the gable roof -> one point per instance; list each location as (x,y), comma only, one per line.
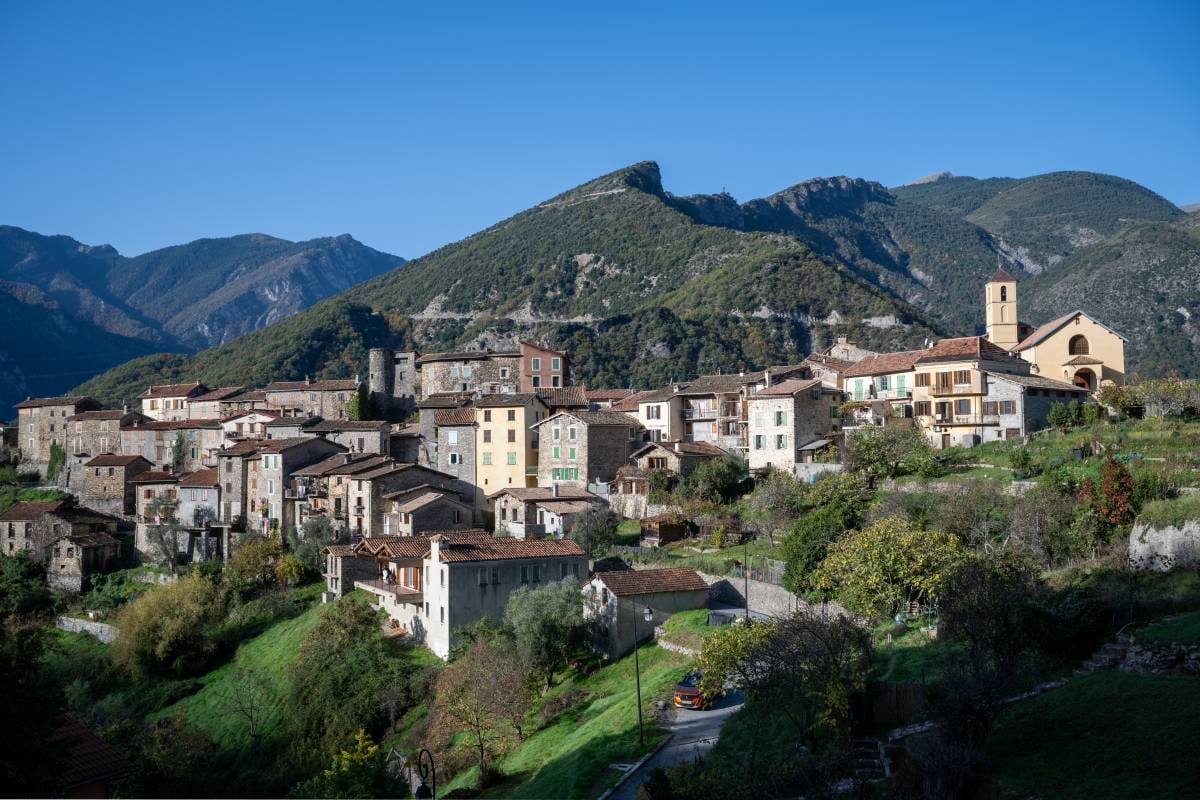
(280,445)
(965,348)
(64,400)
(884,363)
(200,478)
(103,414)
(326,385)
(532,494)
(250,396)
(89,759)
(631,582)
(155,476)
(454,416)
(270,413)
(344,425)
(1043,332)
(175,390)
(499,548)
(791,387)
(700,449)
(604,417)
(599,395)
(342,464)
(714,384)
(222,393)
(631,402)
(824,360)
(416,546)
(501,400)
(28,511)
(114,460)
(1038,382)
(172,424)
(563,396)
(467,355)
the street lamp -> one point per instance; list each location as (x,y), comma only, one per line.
(637,667)
(427,771)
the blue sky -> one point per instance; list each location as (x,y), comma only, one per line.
(410,126)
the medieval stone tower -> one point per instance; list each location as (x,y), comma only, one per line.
(392,381)
(1000,302)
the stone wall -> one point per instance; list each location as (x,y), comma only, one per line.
(765,598)
(101,631)
(1164,549)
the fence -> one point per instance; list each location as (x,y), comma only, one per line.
(761,568)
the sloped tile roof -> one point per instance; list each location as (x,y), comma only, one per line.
(327,385)
(704,449)
(105,414)
(499,548)
(467,355)
(1038,382)
(885,363)
(89,759)
(175,390)
(626,583)
(500,400)
(598,395)
(788,388)
(28,511)
(344,425)
(535,493)
(965,348)
(563,396)
(154,476)
(454,416)
(630,402)
(222,393)
(1002,276)
(1042,332)
(66,400)
(200,478)
(113,460)
(279,445)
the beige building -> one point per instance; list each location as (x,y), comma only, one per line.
(1074,348)
(171,401)
(506,446)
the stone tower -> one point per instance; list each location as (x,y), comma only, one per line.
(392,382)
(1000,302)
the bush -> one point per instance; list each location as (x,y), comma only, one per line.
(1174,513)
(316,534)
(22,587)
(716,481)
(252,565)
(889,452)
(805,546)
(170,630)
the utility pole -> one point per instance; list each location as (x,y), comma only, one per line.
(746,575)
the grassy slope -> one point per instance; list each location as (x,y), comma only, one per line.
(1185,628)
(1105,735)
(569,757)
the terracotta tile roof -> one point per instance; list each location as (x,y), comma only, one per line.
(90,538)
(279,445)
(599,395)
(467,355)
(454,416)
(242,448)
(154,476)
(222,393)
(68,400)
(792,387)
(175,390)
(412,546)
(411,429)
(1002,276)
(341,464)
(446,400)
(453,549)
(965,348)
(501,400)
(291,421)
(720,384)
(683,448)
(28,511)
(342,425)
(89,759)
(174,424)
(565,506)
(885,363)
(111,460)
(327,385)
(1043,331)
(254,395)
(829,361)
(535,493)
(604,417)
(631,402)
(563,396)
(626,583)
(339,550)
(1082,361)
(200,478)
(426,497)
(542,348)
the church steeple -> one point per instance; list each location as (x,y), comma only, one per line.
(1000,302)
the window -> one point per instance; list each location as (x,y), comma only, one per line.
(512,435)
(781,418)
(815,392)
(495,576)
(833,412)
(1078,346)
(781,441)
(504,372)
(512,458)
(442,576)
(962,377)
(758,419)
(962,408)
(512,415)
(466,372)
(556,364)
(555,452)
(451,437)
(454,372)
(572,433)
(991,408)
(758,441)
(228,466)
(537,364)
(555,381)
(487,437)
(524,574)
(884,382)
(570,452)
(537,381)
(487,416)
(487,459)
(922,379)
(923,408)
(1008,406)
(441,613)
(654,412)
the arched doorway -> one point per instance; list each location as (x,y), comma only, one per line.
(1085,378)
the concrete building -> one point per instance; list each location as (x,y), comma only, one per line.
(434,586)
(584,448)
(785,417)
(507,445)
(42,423)
(617,603)
(539,512)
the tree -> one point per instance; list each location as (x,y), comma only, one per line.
(357,773)
(888,452)
(165,533)
(1059,416)
(54,465)
(23,588)
(595,530)
(251,566)
(1036,519)
(880,569)
(775,501)
(251,698)
(170,629)
(716,481)
(178,453)
(1114,502)
(316,534)
(847,491)
(289,570)
(30,706)
(546,623)
(805,546)
(465,702)
(358,407)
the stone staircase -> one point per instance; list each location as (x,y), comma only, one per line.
(869,761)
(1110,656)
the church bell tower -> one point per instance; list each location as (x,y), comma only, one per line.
(1000,301)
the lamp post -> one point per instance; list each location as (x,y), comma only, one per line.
(637,667)
(426,770)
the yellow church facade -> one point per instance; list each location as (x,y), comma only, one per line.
(1074,348)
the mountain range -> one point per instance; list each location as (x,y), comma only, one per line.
(644,286)
(69,311)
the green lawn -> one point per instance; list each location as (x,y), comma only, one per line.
(1184,628)
(689,628)
(907,656)
(569,757)
(1105,736)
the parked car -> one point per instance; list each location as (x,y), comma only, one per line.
(689,695)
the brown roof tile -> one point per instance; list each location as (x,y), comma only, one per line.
(28,511)
(327,385)
(89,759)
(600,395)
(68,400)
(535,493)
(104,414)
(112,460)
(222,393)
(563,396)
(1002,276)
(685,448)
(626,583)
(155,476)
(175,390)
(201,477)
(454,416)
(501,400)
(499,548)
(885,363)
(965,348)
(791,387)
(467,355)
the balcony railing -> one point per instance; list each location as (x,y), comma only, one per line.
(965,419)
(951,389)
(700,412)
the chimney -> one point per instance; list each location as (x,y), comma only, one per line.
(678,447)
(554,489)
(766,379)
(307,381)
(125,408)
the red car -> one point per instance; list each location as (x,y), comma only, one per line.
(689,695)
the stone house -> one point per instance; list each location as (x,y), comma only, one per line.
(427,425)
(602,399)
(404,443)
(327,399)
(212,404)
(829,369)
(322,489)
(290,424)
(199,511)
(343,569)
(393,382)
(233,475)
(506,443)
(76,557)
(91,433)
(542,368)
(366,505)
(243,401)
(434,586)
(583,448)
(475,372)
(616,604)
(270,473)
(107,482)
(677,458)
(539,512)
(156,495)
(785,417)
(156,441)
(845,350)
(425,508)
(171,401)
(357,436)
(454,454)
(32,526)
(42,422)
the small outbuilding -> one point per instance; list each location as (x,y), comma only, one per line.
(617,604)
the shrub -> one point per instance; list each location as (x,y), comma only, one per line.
(889,452)
(170,630)
(716,481)
(252,565)
(316,534)
(805,546)
(1174,513)
(546,623)
(22,586)
(289,570)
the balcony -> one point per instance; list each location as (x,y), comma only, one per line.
(700,412)
(952,389)
(965,419)
(391,591)
(301,489)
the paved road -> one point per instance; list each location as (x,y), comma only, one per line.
(694,733)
